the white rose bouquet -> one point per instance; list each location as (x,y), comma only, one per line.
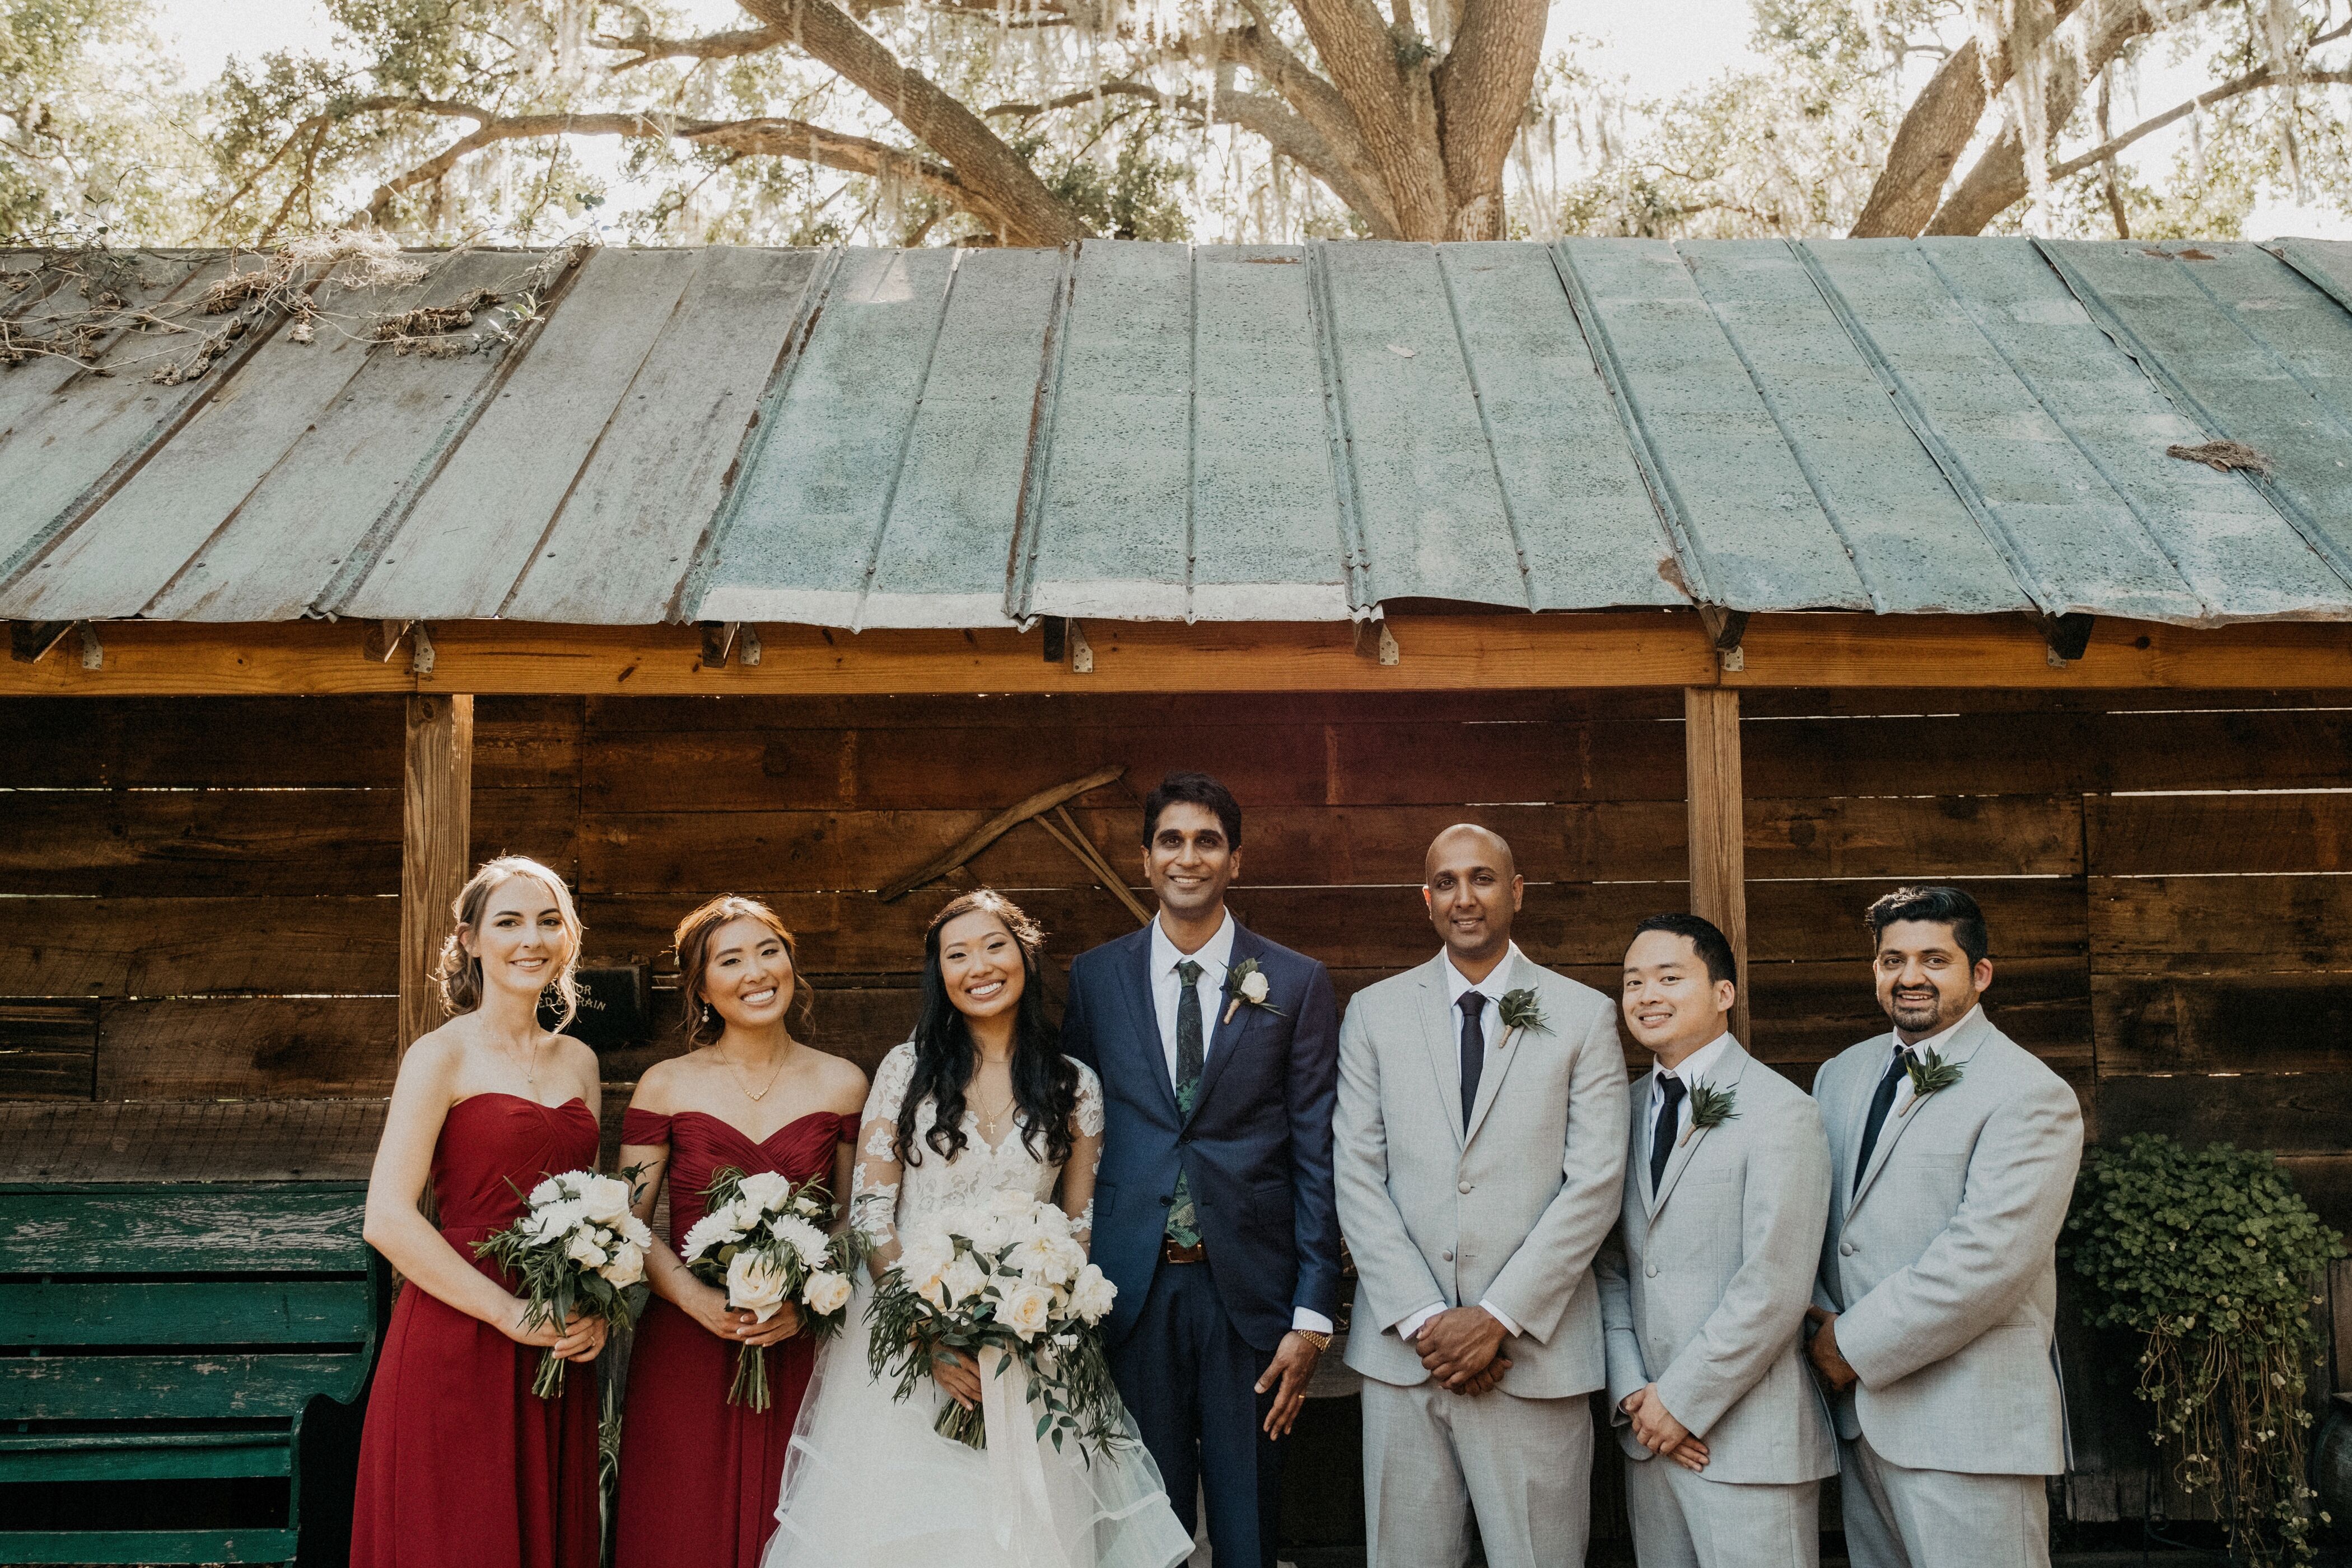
(763,1241)
(1010,1278)
(576,1247)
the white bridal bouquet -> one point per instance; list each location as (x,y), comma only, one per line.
(576,1247)
(763,1241)
(1004,1282)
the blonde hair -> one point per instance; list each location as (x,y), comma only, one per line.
(692,940)
(459,972)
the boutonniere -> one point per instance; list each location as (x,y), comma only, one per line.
(1927,1076)
(1519,1010)
(1246,981)
(1710,1107)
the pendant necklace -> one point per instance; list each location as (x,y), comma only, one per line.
(737,1073)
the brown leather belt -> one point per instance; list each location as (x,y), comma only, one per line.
(1171,1253)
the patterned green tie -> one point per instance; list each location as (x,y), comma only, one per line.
(1183,1221)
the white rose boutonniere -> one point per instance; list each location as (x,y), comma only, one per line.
(1247,982)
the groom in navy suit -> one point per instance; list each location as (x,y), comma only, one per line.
(1214,1209)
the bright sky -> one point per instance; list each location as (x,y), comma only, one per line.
(1659,45)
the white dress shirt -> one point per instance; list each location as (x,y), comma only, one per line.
(1917,1050)
(1694,1069)
(1215,957)
(1490,1024)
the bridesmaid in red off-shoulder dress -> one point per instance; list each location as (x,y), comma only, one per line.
(699,1477)
(461,1465)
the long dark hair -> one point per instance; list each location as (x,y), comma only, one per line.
(1045,1081)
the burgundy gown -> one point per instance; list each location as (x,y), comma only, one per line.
(461,1465)
(699,1475)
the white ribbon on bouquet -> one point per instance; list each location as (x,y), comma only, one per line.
(1019,1507)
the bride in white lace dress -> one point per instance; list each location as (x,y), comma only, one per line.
(868,1481)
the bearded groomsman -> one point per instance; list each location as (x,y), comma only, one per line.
(1213,1205)
(1704,1285)
(1479,1150)
(1954,1156)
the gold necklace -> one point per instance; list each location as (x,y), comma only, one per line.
(737,1074)
(531,1067)
(989,1120)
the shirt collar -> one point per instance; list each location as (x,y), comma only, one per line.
(1214,957)
(1941,1037)
(1697,1068)
(1458,984)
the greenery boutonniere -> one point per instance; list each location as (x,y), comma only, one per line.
(1711,1107)
(1246,981)
(1927,1076)
(1519,1010)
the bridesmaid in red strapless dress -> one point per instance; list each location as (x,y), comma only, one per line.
(461,1465)
(699,1477)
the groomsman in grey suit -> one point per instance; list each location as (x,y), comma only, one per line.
(1479,1152)
(1705,1282)
(1954,1153)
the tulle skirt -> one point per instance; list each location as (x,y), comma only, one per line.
(869,1482)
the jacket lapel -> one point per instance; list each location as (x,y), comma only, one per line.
(1508,1047)
(1225,1037)
(1445,1062)
(1726,1076)
(1143,1022)
(1960,1049)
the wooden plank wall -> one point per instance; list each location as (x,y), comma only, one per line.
(198,898)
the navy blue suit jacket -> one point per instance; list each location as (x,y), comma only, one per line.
(1256,1151)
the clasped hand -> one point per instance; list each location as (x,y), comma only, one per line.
(1655,1428)
(738,1327)
(1836,1372)
(1462,1348)
(581,1339)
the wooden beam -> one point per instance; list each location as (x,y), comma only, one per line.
(436,819)
(1599,649)
(996,827)
(1716,805)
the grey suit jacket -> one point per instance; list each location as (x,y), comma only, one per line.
(1941,1261)
(1511,1212)
(1704,1285)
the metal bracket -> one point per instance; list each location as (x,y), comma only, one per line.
(1376,642)
(1724,630)
(2069,637)
(748,652)
(93,652)
(1082,652)
(29,640)
(383,639)
(718,642)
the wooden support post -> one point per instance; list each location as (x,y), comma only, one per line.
(436,827)
(1718,869)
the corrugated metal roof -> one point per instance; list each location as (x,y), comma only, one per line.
(1126,431)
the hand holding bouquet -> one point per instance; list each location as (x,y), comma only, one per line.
(763,1241)
(1007,1276)
(576,1247)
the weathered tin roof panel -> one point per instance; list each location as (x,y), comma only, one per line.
(942,438)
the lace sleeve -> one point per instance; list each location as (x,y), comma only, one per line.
(1086,1157)
(874,1186)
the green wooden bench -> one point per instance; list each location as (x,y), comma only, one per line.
(176,1333)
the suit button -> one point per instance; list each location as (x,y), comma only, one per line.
(1650,1271)
(1447,1255)
(1462,1188)
(1846,1250)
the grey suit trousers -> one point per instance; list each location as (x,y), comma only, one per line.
(1685,1521)
(1900,1518)
(1431,1457)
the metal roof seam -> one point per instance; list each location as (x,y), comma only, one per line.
(694,583)
(2151,365)
(1355,557)
(1956,474)
(905,445)
(1486,428)
(2290,252)
(1664,498)
(1021,555)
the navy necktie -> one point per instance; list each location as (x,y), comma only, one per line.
(1661,1137)
(1876,1120)
(1474,1050)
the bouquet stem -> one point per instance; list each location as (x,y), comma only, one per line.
(751,1386)
(966,1427)
(548,1383)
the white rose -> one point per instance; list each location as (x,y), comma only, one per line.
(755,1285)
(767,1189)
(741,1215)
(627,1266)
(799,1236)
(826,1294)
(606,1198)
(1028,1311)
(963,1278)
(1052,1259)
(582,1249)
(1092,1295)
(1052,1221)
(1252,987)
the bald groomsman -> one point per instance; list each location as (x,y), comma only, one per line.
(1954,1154)
(1479,1152)
(1705,1282)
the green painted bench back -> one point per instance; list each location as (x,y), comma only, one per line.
(155,1333)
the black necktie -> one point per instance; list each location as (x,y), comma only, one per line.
(1190,1054)
(1661,1137)
(1877,1117)
(1474,1050)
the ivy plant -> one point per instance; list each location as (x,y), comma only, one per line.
(2212,1256)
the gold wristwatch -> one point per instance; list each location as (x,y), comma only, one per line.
(1316,1337)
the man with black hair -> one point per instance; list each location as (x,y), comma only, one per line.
(1954,1152)
(1704,1281)
(1213,1210)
